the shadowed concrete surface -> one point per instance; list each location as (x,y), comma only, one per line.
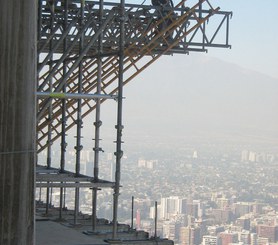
(53,233)
(17,121)
(51,230)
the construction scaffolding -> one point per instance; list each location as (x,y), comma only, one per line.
(87,52)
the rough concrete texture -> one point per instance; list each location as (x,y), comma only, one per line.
(50,230)
(52,233)
(17,120)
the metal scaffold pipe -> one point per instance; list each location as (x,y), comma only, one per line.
(119,126)
(74,95)
(155,219)
(50,112)
(132,211)
(79,121)
(63,115)
(97,149)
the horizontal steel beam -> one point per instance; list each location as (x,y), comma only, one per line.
(73,185)
(53,177)
(61,177)
(74,96)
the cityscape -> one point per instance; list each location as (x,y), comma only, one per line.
(207,192)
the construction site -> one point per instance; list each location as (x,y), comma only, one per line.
(60,61)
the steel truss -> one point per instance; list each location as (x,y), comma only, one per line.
(88,50)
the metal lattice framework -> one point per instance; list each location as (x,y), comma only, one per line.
(145,43)
(88,50)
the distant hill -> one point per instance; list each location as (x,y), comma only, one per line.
(198,94)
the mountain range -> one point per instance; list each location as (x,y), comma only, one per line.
(198,94)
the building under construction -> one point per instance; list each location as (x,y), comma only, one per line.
(64,59)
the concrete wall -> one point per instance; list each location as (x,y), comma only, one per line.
(17,120)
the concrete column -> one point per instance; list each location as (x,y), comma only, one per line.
(18,20)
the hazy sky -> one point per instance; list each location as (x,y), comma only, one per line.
(254,40)
(253,34)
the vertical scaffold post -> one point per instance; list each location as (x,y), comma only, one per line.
(132,211)
(63,109)
(49,132)
(119,126)
(228,29)
(39,34)
(155,220)
(78,146)
(98,122)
